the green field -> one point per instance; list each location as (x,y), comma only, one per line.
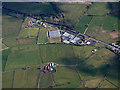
(9,24)
(29,32)
(82,24)
(57,53)
(106,84)
(77,66)
(98,8)
(96,67)
(114,72)
(101,27)
(71,11)
(46,80)
(23,56)
(10,42)
(102,57)
(7,80)
(26,79)
(67,76)
(108,23)
(43,38)
(5,54)
(83,53)
(4,46)
(35,54)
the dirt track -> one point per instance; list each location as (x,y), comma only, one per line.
(41,73)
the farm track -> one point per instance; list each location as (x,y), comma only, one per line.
(83,14)
(38,85)
(89,24)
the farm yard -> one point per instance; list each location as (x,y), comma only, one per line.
(33,43)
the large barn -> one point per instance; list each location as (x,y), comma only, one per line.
(54,33)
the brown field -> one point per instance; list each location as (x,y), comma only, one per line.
(54,40)
(114,35)
(24,41)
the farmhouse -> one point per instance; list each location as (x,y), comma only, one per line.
(54,33)
(50,67)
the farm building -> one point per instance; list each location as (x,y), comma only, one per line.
(75,40)
(65,41)
(66,34)
(54,33)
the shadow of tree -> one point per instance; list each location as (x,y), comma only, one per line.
(115,8)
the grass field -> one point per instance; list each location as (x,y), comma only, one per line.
(43,38)
(26,79)
(10,42)
(4,46)
(95,68)
(98,8)
(67,76)
(114,72)
(102,57)
(57,53)
(106,84)
(29,32)
(82,24)
(5,54)
(9,24)
(82,53)
(7,79)
(46,80)
(23,56)
(102,27)
(71,11)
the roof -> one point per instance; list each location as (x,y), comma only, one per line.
(55,33)
(65,41)
(75,39)
(66,34)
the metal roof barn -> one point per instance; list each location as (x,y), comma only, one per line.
(53,34)
(75,40)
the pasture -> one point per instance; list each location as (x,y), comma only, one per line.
(107,84)
(67,76)
(9,24)
(5,54)
(23,56)
(46,80)
(26,78)
(83,52)
(7,80)
(10,42)
(101,28)
(98,8)
(43,35)
(62,54)
(72,11)
(82,24)
(29,32)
